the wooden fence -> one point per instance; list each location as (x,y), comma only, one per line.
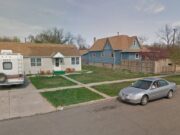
(137,66)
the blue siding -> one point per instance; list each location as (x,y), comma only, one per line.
(105,56)
(135,45)
(129,56)
(110,56)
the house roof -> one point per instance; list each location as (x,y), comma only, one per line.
(121,42)
(32,49)
(155,53)
(83,51)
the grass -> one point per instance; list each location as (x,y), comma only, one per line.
(175,78)
(70,96)
(112,89)
(41,82)
(100,74)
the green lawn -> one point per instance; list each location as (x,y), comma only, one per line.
(104,74)
(112,89)
(175,79)
(41,82)
(70,96)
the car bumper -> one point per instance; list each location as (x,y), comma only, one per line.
(19,82)
(133,101)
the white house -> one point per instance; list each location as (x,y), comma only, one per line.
(46,58)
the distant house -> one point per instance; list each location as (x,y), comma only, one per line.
(111,51)
(83,53)
(46,58)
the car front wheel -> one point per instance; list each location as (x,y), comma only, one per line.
(144,100)
(170,94)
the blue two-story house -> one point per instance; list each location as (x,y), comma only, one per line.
(112,50)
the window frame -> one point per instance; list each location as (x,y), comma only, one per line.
(162,81)
(73,60)
(136,56)
(77,61)
(36,62)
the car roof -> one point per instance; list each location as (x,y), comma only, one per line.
(152,79)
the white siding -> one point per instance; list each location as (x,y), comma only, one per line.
(67,64)
(46,64)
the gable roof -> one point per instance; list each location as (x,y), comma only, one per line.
(32,49)
(122,42)
(83,51)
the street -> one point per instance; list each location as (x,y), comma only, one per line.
(113,117)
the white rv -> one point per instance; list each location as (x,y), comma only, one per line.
(11,68)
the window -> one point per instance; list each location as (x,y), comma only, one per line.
(163,83)
(35,62)
(38,60)
(134,43)
(137,55)
(61,61)
(94,54)
(75,60)
(7,65)
(156,84)
(102,54)
(112,55)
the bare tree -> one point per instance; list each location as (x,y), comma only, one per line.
(142,39)
(55,36)
(81,42)
(166,34)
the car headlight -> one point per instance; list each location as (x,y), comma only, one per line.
(130,96)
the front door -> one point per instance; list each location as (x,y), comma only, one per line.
(58,64)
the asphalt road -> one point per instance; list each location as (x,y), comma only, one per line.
(161,117)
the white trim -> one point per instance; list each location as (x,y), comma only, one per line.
(58,55)
(137,57)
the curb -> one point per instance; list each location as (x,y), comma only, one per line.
(61,109)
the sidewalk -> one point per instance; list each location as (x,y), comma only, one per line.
(79,84)
(22,102)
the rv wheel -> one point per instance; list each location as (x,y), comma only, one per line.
(3,78)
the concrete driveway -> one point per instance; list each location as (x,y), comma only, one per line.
(22,101)
(160,117)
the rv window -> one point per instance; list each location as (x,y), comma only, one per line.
(7,65)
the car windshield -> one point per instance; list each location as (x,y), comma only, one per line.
(142,84)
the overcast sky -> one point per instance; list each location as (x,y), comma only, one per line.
(90,18)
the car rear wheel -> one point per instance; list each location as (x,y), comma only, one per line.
(144,100)
(170,94)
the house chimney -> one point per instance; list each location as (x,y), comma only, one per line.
(94,39)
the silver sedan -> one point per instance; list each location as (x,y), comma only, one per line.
(147,89)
